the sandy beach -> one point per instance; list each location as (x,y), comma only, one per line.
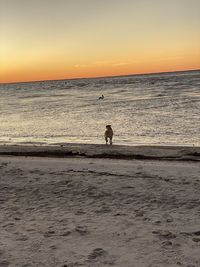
(99,133)
(87,205)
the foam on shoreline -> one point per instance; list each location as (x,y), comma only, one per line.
(103,151)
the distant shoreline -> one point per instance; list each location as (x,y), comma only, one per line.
(103,77)
(172,153)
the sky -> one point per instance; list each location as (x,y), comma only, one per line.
(58,39)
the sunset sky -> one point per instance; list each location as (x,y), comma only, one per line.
(57,39)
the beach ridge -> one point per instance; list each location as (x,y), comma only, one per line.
(143,152)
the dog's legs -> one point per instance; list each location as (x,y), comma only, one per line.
(106,138)
(110,141)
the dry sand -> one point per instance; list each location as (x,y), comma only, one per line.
(58,212)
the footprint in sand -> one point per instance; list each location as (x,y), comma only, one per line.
(82,230)
(164,234)
(80,212)
(8,226)
(196,239)
(4,263)
(103,209)
(97,252)
(4,163)
(194,233)
(73,264)
(66,233)
(21,238)
(102,256)
(53,247)
(49,233)
(167,243)
(139,213)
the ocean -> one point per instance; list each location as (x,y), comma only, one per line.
(161,109)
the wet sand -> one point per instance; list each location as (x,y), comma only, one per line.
(84,211)
(104,151)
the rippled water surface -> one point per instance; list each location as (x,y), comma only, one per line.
(145,109)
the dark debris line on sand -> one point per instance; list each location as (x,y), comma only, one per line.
(102,151)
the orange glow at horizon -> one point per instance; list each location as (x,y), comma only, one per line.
(17,77)
(99,69)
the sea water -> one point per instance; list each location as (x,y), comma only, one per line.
(142,109)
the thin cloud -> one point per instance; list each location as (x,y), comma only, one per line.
(111,63)
(80,66)
(168,59)
(121,64)
(103,62)
(173,58)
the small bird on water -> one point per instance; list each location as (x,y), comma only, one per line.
(101,97)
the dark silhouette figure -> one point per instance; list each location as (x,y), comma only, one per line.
(101,97)
(108,134)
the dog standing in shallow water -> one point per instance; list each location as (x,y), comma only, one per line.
(108,134)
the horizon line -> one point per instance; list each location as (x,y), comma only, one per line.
(100,77)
